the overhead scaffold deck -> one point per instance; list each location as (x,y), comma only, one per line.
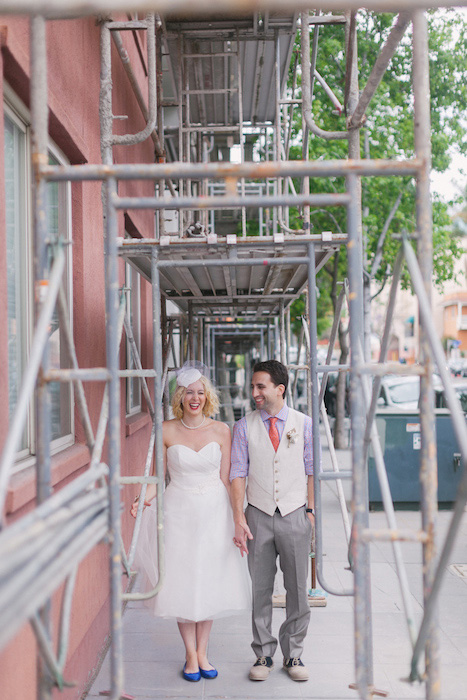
(222,80)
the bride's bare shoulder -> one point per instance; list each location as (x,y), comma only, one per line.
(169,426)
(222,429)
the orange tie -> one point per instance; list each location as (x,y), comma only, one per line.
(273,434)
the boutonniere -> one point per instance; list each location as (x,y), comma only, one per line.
(292,437)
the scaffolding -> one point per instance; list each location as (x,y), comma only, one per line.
(214,276)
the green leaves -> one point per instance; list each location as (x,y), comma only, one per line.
(389,133)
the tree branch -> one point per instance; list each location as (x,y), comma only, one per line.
(331,216)
(386,277)
(381,239)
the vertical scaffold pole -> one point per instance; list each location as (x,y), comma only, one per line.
(428,460)
(312,378)
(283,354)
(112,348)
(191,332)
(39,155)
(277,126)
(241,134)
(181,182)
(360,549)
(158,417)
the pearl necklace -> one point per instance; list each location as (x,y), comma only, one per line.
(195,427)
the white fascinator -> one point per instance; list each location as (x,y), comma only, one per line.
(190,372)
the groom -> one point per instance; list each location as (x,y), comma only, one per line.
(272,457)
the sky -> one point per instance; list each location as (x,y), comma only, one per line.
(453,181)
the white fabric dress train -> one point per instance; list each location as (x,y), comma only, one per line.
(205,576)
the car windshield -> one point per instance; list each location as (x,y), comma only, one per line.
(404,392)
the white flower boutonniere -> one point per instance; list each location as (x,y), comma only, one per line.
(292,437)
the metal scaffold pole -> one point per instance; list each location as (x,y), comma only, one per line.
(112,352)
(39,119)
(360,549)
(360,554)
(428,460)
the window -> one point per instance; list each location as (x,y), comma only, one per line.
(18,261)
(133,300)
(58,214)
(19,265)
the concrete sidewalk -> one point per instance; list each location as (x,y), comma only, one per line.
(154,654)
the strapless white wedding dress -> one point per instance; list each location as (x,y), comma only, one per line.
(205,576)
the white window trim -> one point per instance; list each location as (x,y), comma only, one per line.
(10,107)
(15,109)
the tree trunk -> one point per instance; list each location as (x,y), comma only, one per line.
(341,440)
(366,319)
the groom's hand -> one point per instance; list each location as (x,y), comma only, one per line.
(242,534)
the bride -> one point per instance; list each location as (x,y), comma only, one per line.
(205,578)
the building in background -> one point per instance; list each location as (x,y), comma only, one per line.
(75,213)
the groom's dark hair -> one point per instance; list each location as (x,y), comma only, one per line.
(276,370)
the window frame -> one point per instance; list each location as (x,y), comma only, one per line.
(19,115)
(11,112)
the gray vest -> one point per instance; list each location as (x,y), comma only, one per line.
(276,479)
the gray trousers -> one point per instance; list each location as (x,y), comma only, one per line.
(288,537)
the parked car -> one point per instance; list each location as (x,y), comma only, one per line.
(458,367)
(461,391)
(400,392)
(397,392)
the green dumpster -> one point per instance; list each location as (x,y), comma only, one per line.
(400,438)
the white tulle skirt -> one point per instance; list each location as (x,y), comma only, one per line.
(205,575)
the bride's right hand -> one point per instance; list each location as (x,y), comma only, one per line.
(134,506)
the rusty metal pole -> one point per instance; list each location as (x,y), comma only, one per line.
(361,550)
(112,353)
(283,355)
(191,332)
(39,156)
(428,459)
(165,354)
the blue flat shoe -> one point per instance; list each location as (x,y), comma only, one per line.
(193,677)
(212,673)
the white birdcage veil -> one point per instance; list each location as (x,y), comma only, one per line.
(190,372)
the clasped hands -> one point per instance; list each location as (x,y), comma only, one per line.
(242,534)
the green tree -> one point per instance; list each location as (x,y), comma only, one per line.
(388,131)
(389,203)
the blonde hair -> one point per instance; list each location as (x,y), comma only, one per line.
(210,408)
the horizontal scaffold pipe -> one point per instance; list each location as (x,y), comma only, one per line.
(259,171)
(74,8)
(234,262)
(128,245)
(235,202)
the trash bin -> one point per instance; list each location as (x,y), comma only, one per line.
(400,438)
